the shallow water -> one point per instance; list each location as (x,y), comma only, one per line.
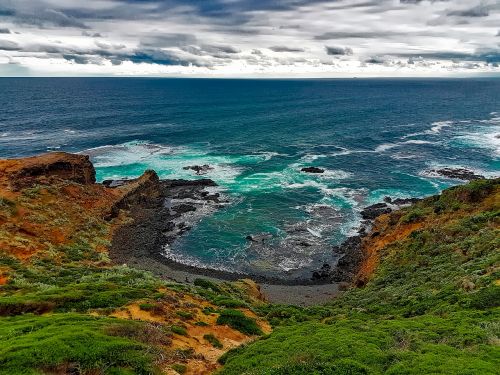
(374,138)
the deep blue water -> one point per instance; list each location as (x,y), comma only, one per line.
(373,137)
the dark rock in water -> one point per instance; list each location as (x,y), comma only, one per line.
(323,273)
(457,173)
(183,183)
(259,238)
(312,170)
(375,210)
(183,208)
(405,201)
(199,169)
(387,199)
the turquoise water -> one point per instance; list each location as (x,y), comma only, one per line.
(374,138)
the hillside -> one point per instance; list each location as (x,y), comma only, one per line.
(66,309)
(430,304)
(426,299)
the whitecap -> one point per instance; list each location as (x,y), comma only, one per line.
(439,125)
(387,146)
(314,232)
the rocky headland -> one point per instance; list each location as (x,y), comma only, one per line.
(73,256)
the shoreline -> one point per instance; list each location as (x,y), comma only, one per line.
(155,224)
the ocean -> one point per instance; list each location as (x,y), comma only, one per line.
(373,137)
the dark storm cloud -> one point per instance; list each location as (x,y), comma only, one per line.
(338,51)
(216,34)
(47,17)
(77,59)
(93,35)
(168,40)
(58,18)
(286,49)
(376,60)
(477,11)
(350,35)
(217,51)
(5,31)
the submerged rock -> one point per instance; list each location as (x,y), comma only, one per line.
(375,210)
(312,170)
(199,169)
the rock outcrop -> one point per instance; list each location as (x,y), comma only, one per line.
(144,191)
(456,173)
(26,172)
(312,170)
(199,169)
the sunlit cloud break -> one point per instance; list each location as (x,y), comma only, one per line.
(258,38)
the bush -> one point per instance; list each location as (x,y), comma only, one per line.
(32,343)
(343,367)
(179,330)
(207,284)
(213,340)
(238,321)
(180,368)
(146,306)
(228,302)
(184,314)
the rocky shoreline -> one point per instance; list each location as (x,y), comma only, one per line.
(163,210)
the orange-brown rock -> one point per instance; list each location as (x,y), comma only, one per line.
(144,191)
(21,173)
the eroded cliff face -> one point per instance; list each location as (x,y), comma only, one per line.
(21,173)
(452,205)
(56,226)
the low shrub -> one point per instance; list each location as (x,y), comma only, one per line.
(239,321)
(213,340)
(179,330)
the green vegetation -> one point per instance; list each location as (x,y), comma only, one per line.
(184,315)
(179,330)
(237,320)
(180,368)
(213,340)
(31,344)
(432,306)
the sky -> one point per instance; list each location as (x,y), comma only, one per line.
(250,38)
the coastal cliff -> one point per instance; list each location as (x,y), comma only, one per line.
(422,296)
(73,309)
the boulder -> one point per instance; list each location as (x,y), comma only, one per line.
(375,210)
(199,169)
(312,170)
(457,173)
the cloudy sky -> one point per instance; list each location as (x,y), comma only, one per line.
(247,38)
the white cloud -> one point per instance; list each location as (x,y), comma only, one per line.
(221,38)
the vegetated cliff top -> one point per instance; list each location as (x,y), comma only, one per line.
(427,300)
(429,303)
(65,308)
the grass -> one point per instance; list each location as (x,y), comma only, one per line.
(213,340)
(180,368)
(432,307)
(34,343)
(237,320)
(179,330)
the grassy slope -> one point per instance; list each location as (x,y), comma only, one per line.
(432,306)
(64,308)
